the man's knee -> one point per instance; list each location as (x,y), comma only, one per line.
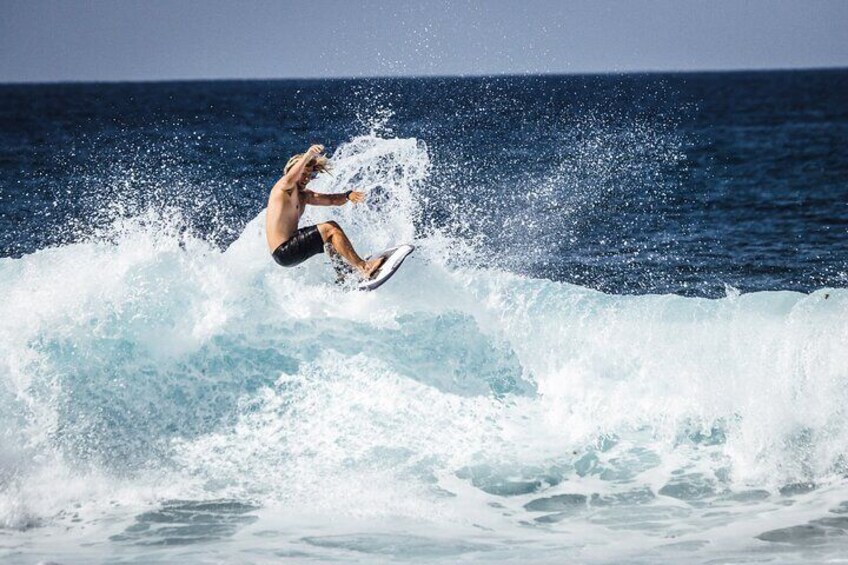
(332,227)
(329,229)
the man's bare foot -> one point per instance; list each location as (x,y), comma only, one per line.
(372,266)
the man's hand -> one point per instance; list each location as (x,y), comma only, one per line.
(313,151)
(356,197)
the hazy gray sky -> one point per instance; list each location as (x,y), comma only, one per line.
(84,40)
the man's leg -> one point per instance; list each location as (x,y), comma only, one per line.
(331,233)
(343,270)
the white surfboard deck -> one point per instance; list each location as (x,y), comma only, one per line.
(394,258)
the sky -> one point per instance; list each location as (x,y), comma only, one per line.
(131,40)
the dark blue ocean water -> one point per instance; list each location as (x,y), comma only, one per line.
(169,394)
(667,183)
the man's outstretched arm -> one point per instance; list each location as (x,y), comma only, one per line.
(340,199)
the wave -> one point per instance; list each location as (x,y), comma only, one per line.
(147,363)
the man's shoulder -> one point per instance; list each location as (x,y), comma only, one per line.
(284,187)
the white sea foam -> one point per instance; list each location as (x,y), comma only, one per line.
(457,403)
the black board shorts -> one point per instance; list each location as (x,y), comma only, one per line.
(305,243)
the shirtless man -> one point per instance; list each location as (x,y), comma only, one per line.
(291,246)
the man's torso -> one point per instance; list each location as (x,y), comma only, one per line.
(285,207)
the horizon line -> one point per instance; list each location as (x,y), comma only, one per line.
(428,76)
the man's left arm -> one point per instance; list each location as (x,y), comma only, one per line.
(340,199)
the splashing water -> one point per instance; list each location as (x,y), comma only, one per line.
(151,381)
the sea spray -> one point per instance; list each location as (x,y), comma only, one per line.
(163,386)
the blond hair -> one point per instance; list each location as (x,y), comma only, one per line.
(319,163)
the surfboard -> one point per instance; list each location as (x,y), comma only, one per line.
(394,257)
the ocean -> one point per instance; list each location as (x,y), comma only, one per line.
(622,337)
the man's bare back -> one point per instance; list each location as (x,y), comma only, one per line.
(286,203)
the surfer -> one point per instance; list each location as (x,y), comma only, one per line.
(291,246)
